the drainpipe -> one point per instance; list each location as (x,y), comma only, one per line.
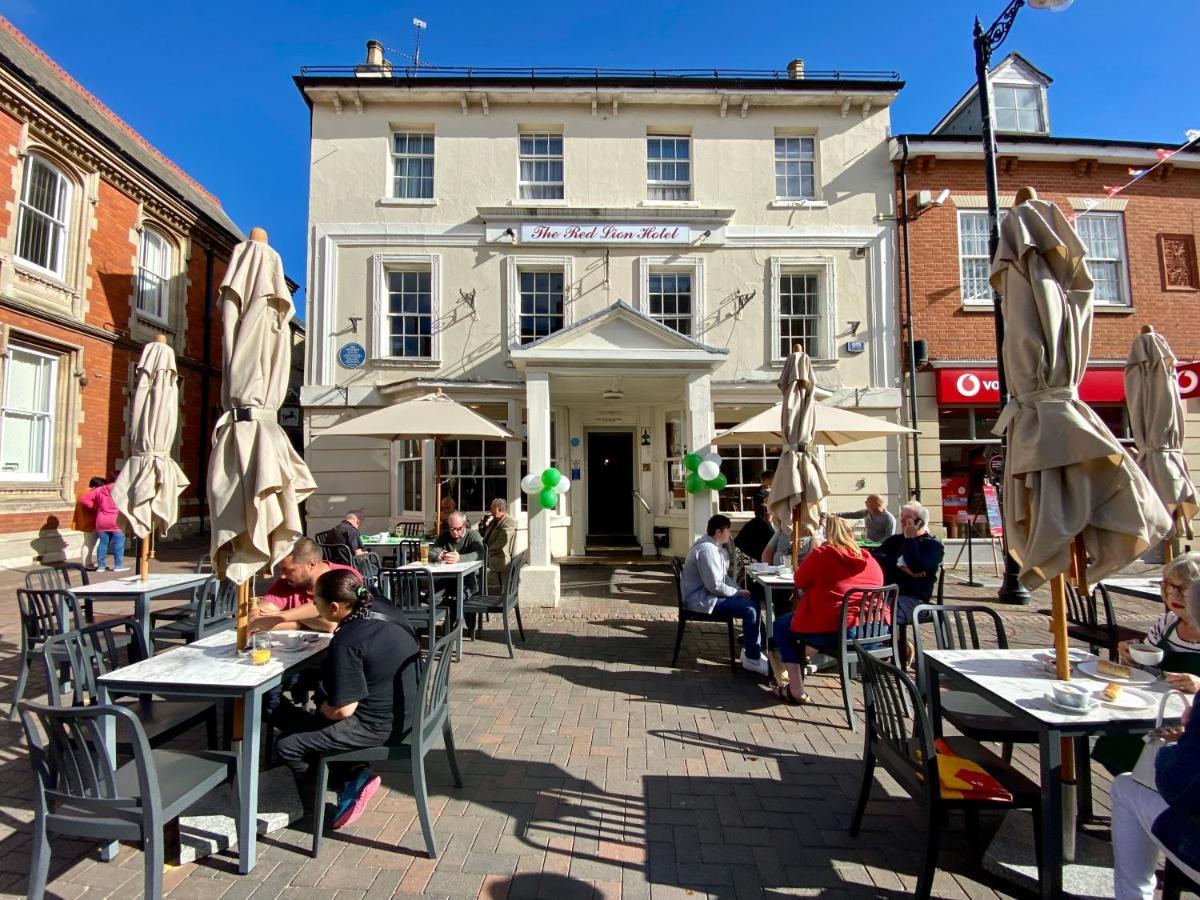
(205,387)
(908,325)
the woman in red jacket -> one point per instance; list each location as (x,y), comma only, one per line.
(830,570)
(108,522)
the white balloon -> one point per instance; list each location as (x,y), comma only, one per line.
(713,457)
(532,483)
(708,470)
(564,485)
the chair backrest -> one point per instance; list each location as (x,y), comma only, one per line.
(512,580)
(1080,610)
(434,695)
(368,565)
(1110,616)
(87,653)
(73,770)
(217,608)
(333,549)
(204,564)
(954,628)
(898,727)
(873,608)
(42,615)
(407,589)
(940,594)
(677,571)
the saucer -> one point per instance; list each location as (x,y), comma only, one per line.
(1073,710)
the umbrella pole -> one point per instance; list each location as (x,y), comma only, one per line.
(243,638)
(437,486)
(152,543)
(144,556)
(1171,544)
(1062,665)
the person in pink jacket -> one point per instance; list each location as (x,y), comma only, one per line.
(108,523)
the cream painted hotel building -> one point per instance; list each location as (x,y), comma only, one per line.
(610,264)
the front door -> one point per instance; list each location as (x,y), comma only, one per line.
(610,487)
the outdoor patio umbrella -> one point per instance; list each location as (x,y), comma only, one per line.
(834,427)
(1156,419)
(256,479)
(799,484)
(1071,492)
(148,488)
(432,416)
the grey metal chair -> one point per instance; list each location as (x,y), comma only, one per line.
(873,630)
(411,591)
(504,603)
(44,614)
(62,577)
(76,659)
(213,609)
(183,610)
(79,793)
(415,726)
(368,566)
(690,615)
(333,549)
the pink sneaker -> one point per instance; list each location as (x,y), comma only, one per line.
(358,804)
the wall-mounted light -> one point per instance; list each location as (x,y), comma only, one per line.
(926,198)
(740,299)
(645,437)
(854,326)
(354,320)
(509,233)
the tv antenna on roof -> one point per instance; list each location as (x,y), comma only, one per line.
(415,57)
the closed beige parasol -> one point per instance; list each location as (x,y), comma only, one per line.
(799,484)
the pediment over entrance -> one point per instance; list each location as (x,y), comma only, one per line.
(618,334)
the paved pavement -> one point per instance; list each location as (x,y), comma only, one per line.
(591,769)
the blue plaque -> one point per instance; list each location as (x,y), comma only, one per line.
(352,356)
(855,346)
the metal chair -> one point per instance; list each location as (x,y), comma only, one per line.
(411,591)
(690,615)
(81,794)
(1084,623)
(415,726)
(900,737)
(368,566)
(333,549)
(76,659)
(184,610)
(213,609)
(873,629)
(503,603)
(62,577)
(44,614)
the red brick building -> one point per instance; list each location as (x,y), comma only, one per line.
(104,243)
(1142,254)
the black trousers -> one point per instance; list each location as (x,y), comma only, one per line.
(308,735)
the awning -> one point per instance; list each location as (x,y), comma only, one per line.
(981,387)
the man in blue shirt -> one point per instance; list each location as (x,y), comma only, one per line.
(910,561)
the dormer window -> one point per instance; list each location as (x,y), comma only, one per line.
(1018,108)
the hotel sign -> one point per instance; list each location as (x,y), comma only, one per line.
(603,233)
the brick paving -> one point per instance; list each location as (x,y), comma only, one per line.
(591,769)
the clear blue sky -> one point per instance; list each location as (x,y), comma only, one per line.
(210,83)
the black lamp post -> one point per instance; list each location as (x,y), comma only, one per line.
(986,42)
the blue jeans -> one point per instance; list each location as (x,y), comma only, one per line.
(117,540)
(748,611)
(791,644)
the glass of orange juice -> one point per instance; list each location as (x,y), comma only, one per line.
(260,649)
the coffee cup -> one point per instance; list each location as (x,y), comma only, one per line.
(1067,694)
(293,640)
(1145,654)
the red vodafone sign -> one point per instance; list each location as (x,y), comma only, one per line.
(1188,377)
(981,387)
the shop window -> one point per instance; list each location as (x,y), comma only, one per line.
(474,473)
(675,442)
(1117,420)
(541,166)
(408,477)
(743,466)
(27,415)
(966,445)
(412,165)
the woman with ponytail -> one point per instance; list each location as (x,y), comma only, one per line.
(358,679)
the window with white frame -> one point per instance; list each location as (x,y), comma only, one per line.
(743,466)
(799,312)
(27,415)
(412,165)
(668,167)
(1104,236)
(674,442)
(669,298)
(974,260)
(543,303)
(44,216)
(408,477)
(474,473)
(409,313)
(154,275)
(1017,108)
(541,165)
(795,168)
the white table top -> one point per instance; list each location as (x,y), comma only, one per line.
(443,568)
(1149,588)
(771,578)
(388,540)
(214,661)
(156,581)
(1017,677)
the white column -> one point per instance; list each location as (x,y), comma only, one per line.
(700,423)
(539,578)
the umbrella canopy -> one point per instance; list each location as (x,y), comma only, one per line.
(430,416)
(799,484)
(256,480)
(1156,419)
(1065,473)
(834,427)
(148,488)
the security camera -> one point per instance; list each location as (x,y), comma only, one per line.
(942,197)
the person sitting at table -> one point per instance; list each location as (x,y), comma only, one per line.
(754,536)
(707,588)
(497,532)
(359,708)
(764,488)
(832,568)
(348,532)
(778,551)
(878,522)
(1166,817)
(460,543)
(288,603)
(910,561)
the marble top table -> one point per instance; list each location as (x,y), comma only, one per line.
(160,584)
(444,572)
(1144,588)
(385,542)
(211,667)
(1017,682)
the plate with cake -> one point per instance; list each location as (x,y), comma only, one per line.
(1104,670)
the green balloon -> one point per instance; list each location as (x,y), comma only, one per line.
(551,477)
(694,483)
(718,483)
(548,498)
(692,461)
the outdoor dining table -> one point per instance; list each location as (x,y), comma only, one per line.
(392,542)
(212,667)
(1017,681)
(1143,588)
(772,583)
(442,573)
(159,584)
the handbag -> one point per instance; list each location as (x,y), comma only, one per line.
(1143,770)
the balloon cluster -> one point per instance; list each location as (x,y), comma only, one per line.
(704,473)
(548,486)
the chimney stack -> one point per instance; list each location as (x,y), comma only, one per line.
(795,69)
(375,65)
(374,53)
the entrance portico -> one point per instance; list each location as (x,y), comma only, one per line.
(616,372)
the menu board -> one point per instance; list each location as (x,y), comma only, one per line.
(992,501)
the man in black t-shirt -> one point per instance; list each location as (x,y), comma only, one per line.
(348,532)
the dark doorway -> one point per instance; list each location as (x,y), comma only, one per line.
(610,488)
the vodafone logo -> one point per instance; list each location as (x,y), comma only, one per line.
(968,384)
(1188,382)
